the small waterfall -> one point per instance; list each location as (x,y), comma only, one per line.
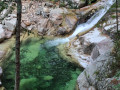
(85,27)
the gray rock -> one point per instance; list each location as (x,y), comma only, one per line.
(95,53)
(91,88)
(11,24)
(2,33)
(39,11)
(88,49)
(8,34)
(24,9)
(42,25)
(12,15)
(102,47)
(1,71)
(48,4)
(95,73)
(5,12)
(30,27)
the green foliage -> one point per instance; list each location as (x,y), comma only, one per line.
(117,76)
(28,84)
(3,5)
(47,78)
(117,87)
(96,72)
(62,5)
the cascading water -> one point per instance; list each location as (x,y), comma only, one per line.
(85,27)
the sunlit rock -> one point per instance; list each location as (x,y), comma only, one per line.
(11,24)
(2,33)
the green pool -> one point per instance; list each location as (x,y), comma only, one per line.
(42,68)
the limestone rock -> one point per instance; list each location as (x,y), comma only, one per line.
(91,88)
(56,19)
(98,69)
(42,25)
(27,23)
(30,28)
(24,9)
(88,49)
(11,24)
(1,71)
(12,15)
(2,33)
(58,11)
(3,13)
(48,4)
(68,25)
(39,11)
(8,34)
(102,47)
(46,10)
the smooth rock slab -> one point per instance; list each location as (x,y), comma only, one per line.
(2,33)
(11,24)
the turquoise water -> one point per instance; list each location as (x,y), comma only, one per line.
(41,69)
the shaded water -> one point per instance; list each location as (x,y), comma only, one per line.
(41,69)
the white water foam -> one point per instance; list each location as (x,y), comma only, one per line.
(85,27)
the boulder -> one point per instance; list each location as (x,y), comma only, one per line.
(23,25)
(91,88)
(102,47)
(95,74)
(56,19)
(27,23)
(2,33)
(87,49)
(42,26)
(58,11)
(46,10)
(38,11)
(48,4)
(1,71)
(68,24)
(30,28)
(3,13)
(8,34)
(70,21)
(12,15)
(10,24)
(24,9)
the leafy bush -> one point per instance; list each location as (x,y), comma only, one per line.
(3,5)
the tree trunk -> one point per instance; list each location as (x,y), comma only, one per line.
(17,50)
